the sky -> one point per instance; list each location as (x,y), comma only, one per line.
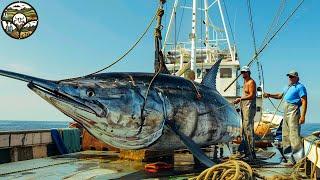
(74,38)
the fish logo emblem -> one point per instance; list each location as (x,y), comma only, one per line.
(19,20)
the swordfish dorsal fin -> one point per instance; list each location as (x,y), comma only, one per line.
(209,79)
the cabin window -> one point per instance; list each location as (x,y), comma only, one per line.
(225,72)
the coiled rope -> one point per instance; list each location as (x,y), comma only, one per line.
(237,169)
(231,169)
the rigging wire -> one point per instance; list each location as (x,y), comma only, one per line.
(276,19)
(175,40)
(165,16)
(262,76)
(268,42)
(234,27)
(274,106)
(229,24)
(180,24)
(251,26)
(253,38)
(275,112)
(271,28)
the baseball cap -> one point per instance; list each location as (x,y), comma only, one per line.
(245,69)
(293,73)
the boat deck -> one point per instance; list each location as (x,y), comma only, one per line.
(108,165)
(86,165)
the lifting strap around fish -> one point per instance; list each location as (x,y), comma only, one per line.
(209,79)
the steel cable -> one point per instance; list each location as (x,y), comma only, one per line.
(268,42)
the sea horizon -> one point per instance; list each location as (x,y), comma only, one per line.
(68,120)
(19,125)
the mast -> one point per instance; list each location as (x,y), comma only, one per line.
(174,11)
(226,32)
(193,36)
(206,13)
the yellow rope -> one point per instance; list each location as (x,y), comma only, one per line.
(316,161)
(236,169)
(231,169)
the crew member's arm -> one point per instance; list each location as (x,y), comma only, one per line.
(274,96)
(251,93)
(304,107)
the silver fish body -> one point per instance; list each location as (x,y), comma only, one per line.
(114,108)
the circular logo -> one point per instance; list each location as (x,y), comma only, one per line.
(19,20)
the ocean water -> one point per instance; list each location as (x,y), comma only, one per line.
(10,125)
(6,125)
(309,128)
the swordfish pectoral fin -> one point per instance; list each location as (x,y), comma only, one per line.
(191,145)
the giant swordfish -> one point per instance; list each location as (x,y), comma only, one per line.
(124,110)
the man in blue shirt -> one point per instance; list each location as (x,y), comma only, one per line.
(294,96)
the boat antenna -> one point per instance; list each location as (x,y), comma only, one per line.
(276,19)
(267,43)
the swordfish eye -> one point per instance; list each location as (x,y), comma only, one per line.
(90,93)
